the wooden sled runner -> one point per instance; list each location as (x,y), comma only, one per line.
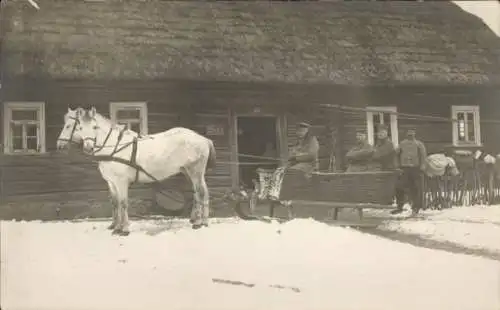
(323,196)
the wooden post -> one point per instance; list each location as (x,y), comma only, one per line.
(1,185)
(360,214)
(340,141)
(490,188)
(233,142)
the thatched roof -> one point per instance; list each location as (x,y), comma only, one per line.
(310,42)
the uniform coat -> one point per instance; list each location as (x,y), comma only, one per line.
(360,158)
(384,154)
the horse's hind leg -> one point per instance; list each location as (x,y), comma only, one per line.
(205,201)
(200,212)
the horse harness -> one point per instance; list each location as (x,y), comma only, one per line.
(132,162)
(133,158)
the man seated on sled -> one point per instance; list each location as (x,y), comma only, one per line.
(304,155)
(360,157)
(303,158)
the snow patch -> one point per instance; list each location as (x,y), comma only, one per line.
(300,264)
(475,227)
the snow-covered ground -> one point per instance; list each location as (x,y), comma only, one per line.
(476,227)
(302,264)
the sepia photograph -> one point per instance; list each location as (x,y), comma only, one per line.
(248,155)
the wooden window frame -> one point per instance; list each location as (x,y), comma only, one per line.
(8,107)
(370,128)
(474,109)
(114,107)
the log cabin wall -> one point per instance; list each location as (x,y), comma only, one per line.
(419,100)
(59,173)
(489,100)
(434,101)
(429,101)
(212,121)
(208,108)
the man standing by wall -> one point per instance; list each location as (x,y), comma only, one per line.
(360,157)
(411,156)
(385,154)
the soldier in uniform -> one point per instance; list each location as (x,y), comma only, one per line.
(360,157)
(304,155)
(385,153)
(411,157)
(303,158)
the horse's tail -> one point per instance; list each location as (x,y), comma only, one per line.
(211,155)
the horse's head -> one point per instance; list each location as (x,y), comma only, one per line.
(88,129)
(71,129)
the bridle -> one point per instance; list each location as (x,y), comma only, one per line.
(94,139)
(73,130)
(118,147)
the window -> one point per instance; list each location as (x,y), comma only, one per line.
(376,116)
(24,127)
(134,115)
(466,126)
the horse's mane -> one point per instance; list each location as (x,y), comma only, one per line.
(113,124)
(99,117)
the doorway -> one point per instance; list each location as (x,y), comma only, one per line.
(257,136)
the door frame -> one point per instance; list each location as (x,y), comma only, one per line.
(281,140)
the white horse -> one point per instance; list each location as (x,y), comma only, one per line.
(124,157)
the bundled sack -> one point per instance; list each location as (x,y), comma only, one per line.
(486,158)
(437,165)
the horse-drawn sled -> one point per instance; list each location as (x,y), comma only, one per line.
(124,158)
(321,196)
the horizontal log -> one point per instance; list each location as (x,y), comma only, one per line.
(325,175)
(359,224)
(32,190)
(68,197)
(47,160)
(335,204)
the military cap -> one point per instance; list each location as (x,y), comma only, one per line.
(382,127)
(304,125)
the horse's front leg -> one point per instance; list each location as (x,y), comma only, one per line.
(122,228)
(114,205)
